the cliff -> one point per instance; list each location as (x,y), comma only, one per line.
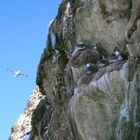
(90,93)
(22,127)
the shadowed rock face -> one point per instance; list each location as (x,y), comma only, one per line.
(84,57)
(112,8)
(132,30)
(134,18)
(104,104)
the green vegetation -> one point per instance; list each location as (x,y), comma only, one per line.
(36,118)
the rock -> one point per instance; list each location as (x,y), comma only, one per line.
(103,104)
(84,57)
(132,30)
(106,17)
(23,125)
(94,110)
(132,69)
(85,79)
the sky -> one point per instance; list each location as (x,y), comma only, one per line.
(23,33)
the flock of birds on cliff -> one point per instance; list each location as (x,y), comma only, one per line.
(81,51)
(94,58)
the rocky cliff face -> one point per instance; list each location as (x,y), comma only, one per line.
(22,127)
(101,102)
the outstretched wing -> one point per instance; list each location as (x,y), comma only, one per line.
(12,71)
(21,74)
(16,73)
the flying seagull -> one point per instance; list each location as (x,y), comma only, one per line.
(17,73)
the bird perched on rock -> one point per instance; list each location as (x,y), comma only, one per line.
(78,47)
(91,68)
(84,56)
(95,47)
(17,73)
(116,56)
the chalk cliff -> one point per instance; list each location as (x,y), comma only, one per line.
(100,102)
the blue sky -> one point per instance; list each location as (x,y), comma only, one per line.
(23,33)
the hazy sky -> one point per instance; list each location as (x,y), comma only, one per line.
(23,33)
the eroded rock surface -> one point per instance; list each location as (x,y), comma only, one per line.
(22,128)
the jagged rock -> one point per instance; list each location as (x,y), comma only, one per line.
(23,127)
(84,57)
(132,30)
(113,66)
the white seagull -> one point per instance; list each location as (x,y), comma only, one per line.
(17,73)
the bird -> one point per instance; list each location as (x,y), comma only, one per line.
(78,47)
(84,55)
(16,73)
(91,68)
(68,11)
(95,47)
(116,56)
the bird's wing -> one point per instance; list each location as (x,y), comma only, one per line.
(16,73)
(12,71)
(21,74)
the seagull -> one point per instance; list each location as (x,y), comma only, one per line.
(95,47)
(116,56)
(17,73)
(91,68)
(80,46)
